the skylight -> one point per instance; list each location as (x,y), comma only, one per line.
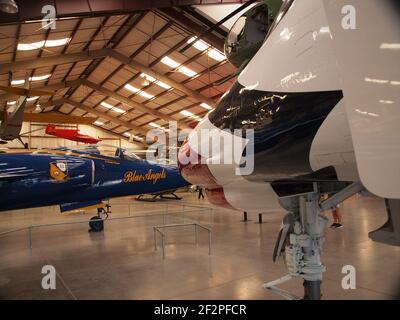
(173,64)
(98,123)
(41,44)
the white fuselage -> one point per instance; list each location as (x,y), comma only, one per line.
(297,57)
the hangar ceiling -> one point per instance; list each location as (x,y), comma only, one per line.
(124,69)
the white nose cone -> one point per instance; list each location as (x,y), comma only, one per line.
(8,6)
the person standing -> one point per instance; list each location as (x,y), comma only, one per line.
(337,217)
(201,193)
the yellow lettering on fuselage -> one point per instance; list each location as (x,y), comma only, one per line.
(133,176)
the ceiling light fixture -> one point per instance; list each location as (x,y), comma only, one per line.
(189,114)
(154,80)
(111,107)
(118,110)
(32,99)
(199,44)
(205,106)
(41,44)
(173,64)
(56,42)
(155,125)
(202,46)
(33,79)
(390,46)
(106,105)
(138,91)
(137,138)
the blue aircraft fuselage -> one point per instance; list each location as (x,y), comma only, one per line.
(73,179)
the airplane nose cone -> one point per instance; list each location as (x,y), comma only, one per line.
(194,168)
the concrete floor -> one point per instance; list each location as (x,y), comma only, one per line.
(121,263)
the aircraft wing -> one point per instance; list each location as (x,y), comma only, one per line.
(368,59)
(11,126)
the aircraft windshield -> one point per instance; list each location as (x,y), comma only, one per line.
(282,12)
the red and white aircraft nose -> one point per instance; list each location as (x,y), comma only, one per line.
(203,161)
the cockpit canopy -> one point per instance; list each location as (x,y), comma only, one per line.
(247,34)
(103,150)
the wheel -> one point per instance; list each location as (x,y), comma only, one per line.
(96,226)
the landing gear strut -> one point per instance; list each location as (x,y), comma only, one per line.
(96,223)
(302,237)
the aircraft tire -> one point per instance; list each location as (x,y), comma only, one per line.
(96,226)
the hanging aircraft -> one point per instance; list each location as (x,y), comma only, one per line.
(321,96)
(11,122)
(80,177)
(70,134)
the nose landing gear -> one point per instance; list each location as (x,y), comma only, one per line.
(96,223)
(302,237)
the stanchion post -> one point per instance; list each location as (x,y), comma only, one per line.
(163,245)
(155,238)
(209,242)
(30,237)
(245,217)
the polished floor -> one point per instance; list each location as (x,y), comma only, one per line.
(121,262)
